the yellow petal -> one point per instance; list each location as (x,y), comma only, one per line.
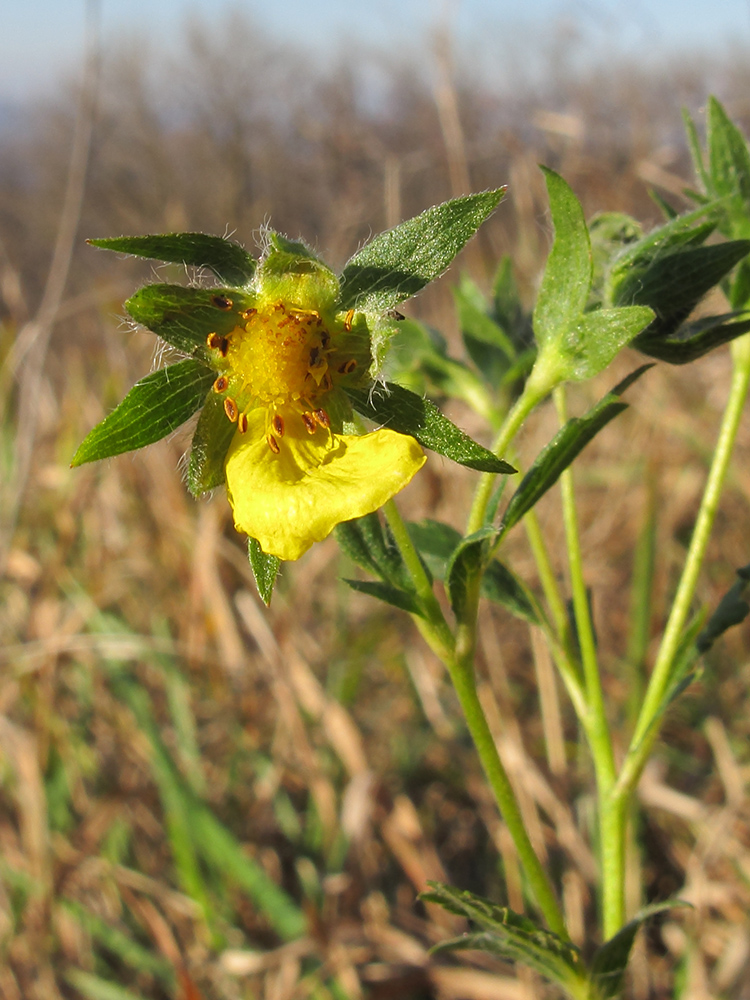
(291,500)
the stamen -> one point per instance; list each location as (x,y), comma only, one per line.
(222,302)
(278,425)
(248,313)
(273,444)
(307,420)
(212,340)
(322,418)
(221,384)
(218,343)
(348,320)
(242,423)
(230,408)
(348,366)
(327,383)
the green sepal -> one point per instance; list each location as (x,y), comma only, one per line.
(401,410)
(564,447)
(610,234)
(399,263)
(401,599)
(184,317)
(291,272)
(609,962)
(156,405)
(213,436)
(568,272)
(228,260)
(732,610)
(510,936)
(265,569)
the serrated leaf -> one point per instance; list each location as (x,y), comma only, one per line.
(406,412)
(509,935)
(564,447)
(569,268)
(732,610)
(213,436)
(184,317)
(228,260)
(400,599)
(609,962)
(265,569)
(464,569)
(154,407)
(399,263)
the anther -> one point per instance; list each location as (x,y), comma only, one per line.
(278,425)
(322,418)
(348,320)
(273,444)
(222,302)
(212,340)
(327,383)
(221,384)
(348,366)
(242,423)
(309,423)
(248,313)
(230,408)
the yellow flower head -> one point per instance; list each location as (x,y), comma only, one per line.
(292,473)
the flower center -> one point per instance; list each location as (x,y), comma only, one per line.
(281,355)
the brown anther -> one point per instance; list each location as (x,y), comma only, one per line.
(242,423)
(230,408)
(222,302)
(395,314)
(314,355)
(278,425)
(327,383)
(322,418)
(221,384)
(325,338)
(310,425)
(348,366)
(248,313)
(273,444)
(212,340)
(348,320)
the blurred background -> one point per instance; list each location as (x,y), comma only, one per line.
(203,798)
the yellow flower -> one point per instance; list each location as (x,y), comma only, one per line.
(292,473)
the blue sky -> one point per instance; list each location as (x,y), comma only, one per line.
(40,39)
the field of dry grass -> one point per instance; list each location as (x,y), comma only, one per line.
(200,797)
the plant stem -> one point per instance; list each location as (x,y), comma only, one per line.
(511,425)
(458,656)
(596,726)
(646,729)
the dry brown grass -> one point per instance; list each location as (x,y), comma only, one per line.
(321,733)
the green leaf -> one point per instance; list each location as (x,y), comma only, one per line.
(696,152)
(372,548)
(487,344)
(503,587)
(406,412)
(732,610)
(674,283)
(598,336)
(213,436)
(265,569)
(184,317)
(729,168)
(153,408)
(609,962)
(564,447)
(94,988)
(695,339)
(464,569)
(510,936)
(569,269)
(228,260)
(400,599)
(436,543)
(399,263)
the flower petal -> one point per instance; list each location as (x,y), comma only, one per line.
(288,501)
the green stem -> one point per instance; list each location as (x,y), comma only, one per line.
(458,657)
(646,729)
(522,408)
(597,727)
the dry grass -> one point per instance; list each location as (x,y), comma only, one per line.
(169,750)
